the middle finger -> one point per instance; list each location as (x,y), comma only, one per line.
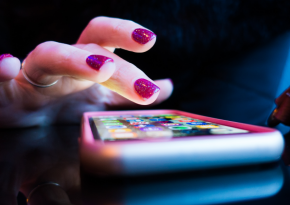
(128,80)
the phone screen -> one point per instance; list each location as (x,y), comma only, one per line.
(136,127)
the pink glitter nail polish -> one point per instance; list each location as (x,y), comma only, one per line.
(96,61)
(6,55)
(145,88)
(142,36)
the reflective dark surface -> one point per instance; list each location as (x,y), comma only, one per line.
(29,157)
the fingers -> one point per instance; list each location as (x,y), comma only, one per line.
(129,81)
(9,67)
(50,61)
(118,33)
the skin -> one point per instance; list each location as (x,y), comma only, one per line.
(79,88)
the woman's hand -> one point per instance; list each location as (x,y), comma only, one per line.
(90,77)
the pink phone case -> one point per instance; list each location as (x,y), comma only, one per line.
(261,145)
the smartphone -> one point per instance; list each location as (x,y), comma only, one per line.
(156,141)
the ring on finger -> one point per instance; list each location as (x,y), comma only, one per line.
(31,82)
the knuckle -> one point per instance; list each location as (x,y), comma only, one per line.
(53,49)
(45,45)
(117,24)
(40,50)
(125,68)
(95,21)
(117,28)
(60,55)
(120,26)
(90,47)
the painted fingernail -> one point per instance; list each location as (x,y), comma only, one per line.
(6,55)
(145,88)
(96,61)
(142,36)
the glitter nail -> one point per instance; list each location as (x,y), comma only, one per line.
(143,36)
(145,88)
(96,61)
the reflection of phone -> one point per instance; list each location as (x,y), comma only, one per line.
(143,142)
(214,187)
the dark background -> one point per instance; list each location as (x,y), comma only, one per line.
(199,45)
(217,52)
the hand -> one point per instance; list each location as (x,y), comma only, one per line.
(83,84)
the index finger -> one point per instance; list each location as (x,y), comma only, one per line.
(118,33)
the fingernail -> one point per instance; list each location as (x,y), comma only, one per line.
(96,61)
(145,88)
(142,36)
(6,55)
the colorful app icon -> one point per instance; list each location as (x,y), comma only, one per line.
(140,126)
(186,121)
(180,119)
(120,130)
(173,116)
(124,135)
(116,127)
(157,119)
(170,124)
(114,123)
(148,129)
(207,126)
(108,119)
(180,128)
(135,120)
(130,118)
(146,115)
(164,121)
(196,123)
(138,123)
